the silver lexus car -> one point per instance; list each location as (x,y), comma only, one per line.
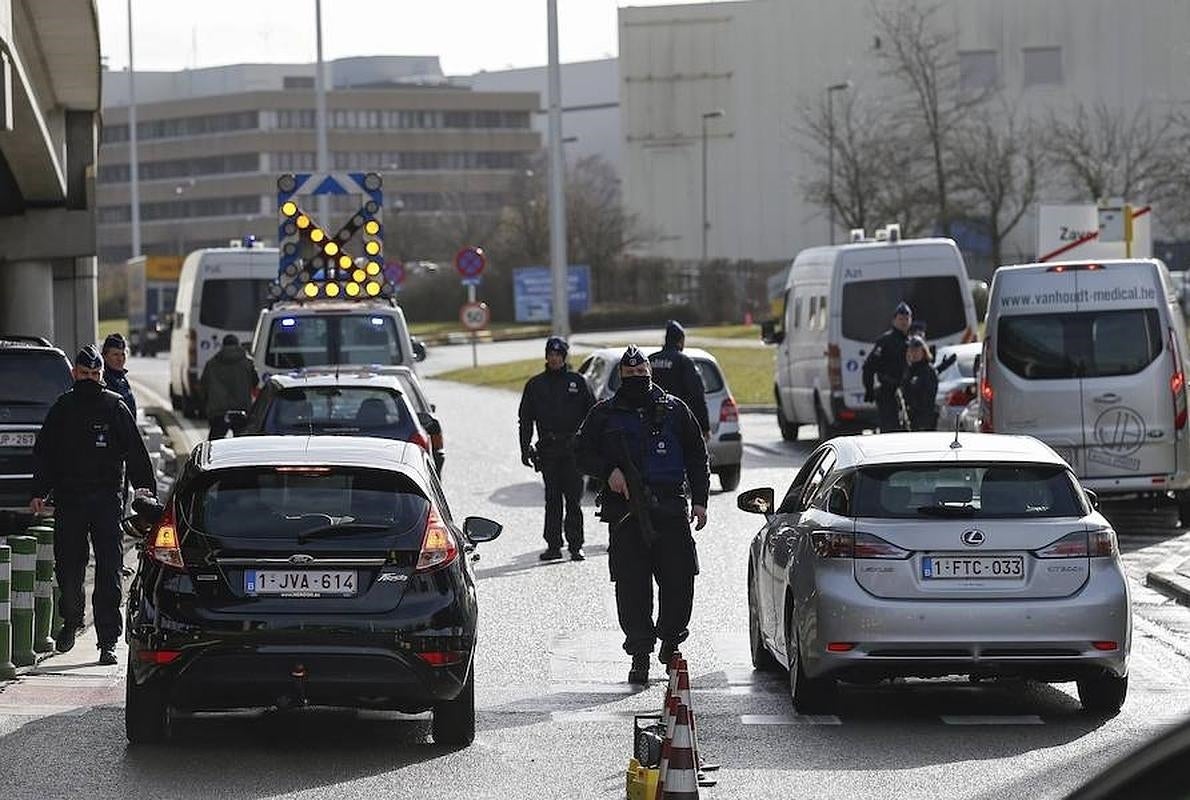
(934,554)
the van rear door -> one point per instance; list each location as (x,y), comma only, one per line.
(1128,410)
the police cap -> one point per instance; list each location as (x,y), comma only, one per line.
(916,343)
(114,341)
(556,344)
(903,308)
(88,358)
(632,357)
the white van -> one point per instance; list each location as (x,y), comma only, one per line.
(838,300)
(220,291)
(1088,357)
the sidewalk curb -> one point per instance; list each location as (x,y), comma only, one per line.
(1167,580)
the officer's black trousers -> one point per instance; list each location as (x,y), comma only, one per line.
(97,517)
(563,483)
(888,410)
(672,563)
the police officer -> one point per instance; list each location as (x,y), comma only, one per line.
(920,387)
(676,374)
(647,448)
(115,376)
(556,401)
(886,363)
(81,451)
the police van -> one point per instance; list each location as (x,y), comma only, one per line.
(1089,358)
(220,291)
(836,303)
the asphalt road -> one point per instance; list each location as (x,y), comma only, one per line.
(554,713)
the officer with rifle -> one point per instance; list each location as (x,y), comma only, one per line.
(647,448)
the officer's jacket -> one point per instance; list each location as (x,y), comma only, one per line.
(674,371)
(82,447)
(920,390)
(557,402)
(662,437)
(117,381)
(886,361)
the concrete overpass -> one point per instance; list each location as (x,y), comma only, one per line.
(49,103)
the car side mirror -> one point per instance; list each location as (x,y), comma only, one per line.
(756,501)
(1092,498)
(769,333)
(148,509)
(837,501)
(419,350)
(481,529)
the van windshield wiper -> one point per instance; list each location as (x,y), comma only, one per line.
(327,530)
(940,510)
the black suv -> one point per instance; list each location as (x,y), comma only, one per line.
(304,570)
(33,374)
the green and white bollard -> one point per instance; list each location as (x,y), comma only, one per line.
(8,670)
(43,590)
(24,570)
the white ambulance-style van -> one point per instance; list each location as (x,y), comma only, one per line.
(837,302)
(1088,357)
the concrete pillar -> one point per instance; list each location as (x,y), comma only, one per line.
(75,303)
(27,298)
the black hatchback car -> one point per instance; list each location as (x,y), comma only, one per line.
(304,570)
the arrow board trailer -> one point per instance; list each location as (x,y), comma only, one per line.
(837,301)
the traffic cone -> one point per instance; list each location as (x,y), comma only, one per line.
(681,778)
(670,687)
(683,694)
(671,718)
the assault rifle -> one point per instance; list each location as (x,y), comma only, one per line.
(640,498)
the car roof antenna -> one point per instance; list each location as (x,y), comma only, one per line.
(956,445)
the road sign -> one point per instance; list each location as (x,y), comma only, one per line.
(475,316)
(470,262)
(395,271)
(532,291)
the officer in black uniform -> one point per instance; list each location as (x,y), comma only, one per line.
(886,363)
(676,374)
(920,387)
(646,438)
(81,451)
(556,400)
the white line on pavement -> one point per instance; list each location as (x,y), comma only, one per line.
(789,719)
(994,719)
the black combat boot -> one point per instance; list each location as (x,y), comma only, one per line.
(639,674)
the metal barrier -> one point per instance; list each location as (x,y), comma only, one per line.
(24,570)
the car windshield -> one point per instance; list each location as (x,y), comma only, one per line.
(1089,344)
(868,305)
(232,304)
(343,410)
(324,339)
(29,377)
(285,502)
(982,491)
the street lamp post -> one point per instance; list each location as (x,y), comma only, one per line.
(133,154)
(320,122)
(830,156)
(706,222)
(557,186)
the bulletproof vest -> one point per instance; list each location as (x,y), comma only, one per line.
(654,441)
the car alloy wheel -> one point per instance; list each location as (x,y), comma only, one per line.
(762,659)
(809,695)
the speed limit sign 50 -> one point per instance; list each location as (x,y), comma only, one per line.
(475,316)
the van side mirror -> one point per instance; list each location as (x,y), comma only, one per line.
(481,529)
(769,333)
(1092,498)
(432,425)
(756,501)
(419,350)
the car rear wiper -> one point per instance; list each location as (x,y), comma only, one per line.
(947,511)
(327,530)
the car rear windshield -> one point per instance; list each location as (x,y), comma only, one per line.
(342,410)
(712,378)
(284,502)
(982,491)
(232,304)
(936,300)
(319,340)
(29,377)
(1085,344)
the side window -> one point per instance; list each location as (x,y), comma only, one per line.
(822,313)
(584,368)
(840,489)
(805,476)
(797,312)
(820,472)
(436,490)
(812,315)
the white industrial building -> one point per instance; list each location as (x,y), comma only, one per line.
(762,61)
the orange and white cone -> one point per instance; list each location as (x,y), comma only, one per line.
(671,718)
(681,777)
(683,694)
(671,687)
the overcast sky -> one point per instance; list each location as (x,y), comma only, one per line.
(468,35)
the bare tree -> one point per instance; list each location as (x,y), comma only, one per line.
(600,230)
(997,169)
(921,55)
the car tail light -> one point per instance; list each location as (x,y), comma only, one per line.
(986,393)
(418,438)
(960,397)
(1177,384)
(1072,545)
(438,546)
(1102,543)
(834,367)
(847,414)
(869,546)
(1105,646)
(830,544)
(436,441)
(840,647)
(165,546)
(158,657)
(729,411)
(442,658)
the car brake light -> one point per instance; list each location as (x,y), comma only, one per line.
(834,367)
(1102,543)
(960,397)
(986,393)
(840,647)
(830,544)
(1105,646)
(418,438)
(442,658)
(1072,545)
(158,657)
(729,411)
(164,544)
(869,546)
(1177,384)
(438,546)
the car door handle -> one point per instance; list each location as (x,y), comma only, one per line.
(1110,397)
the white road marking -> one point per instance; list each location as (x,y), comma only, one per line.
(993,719)
(789,719)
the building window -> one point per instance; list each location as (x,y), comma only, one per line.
(298,82)
(1043,66)
(978,69)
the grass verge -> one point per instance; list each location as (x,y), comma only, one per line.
(727,331)
(110,326)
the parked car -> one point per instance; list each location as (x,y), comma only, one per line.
(333,403)
(33,374)
(726,445)
(1089,358)
(425,410)
(1157,771)
(907,555)
(956,383)
(294,570)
